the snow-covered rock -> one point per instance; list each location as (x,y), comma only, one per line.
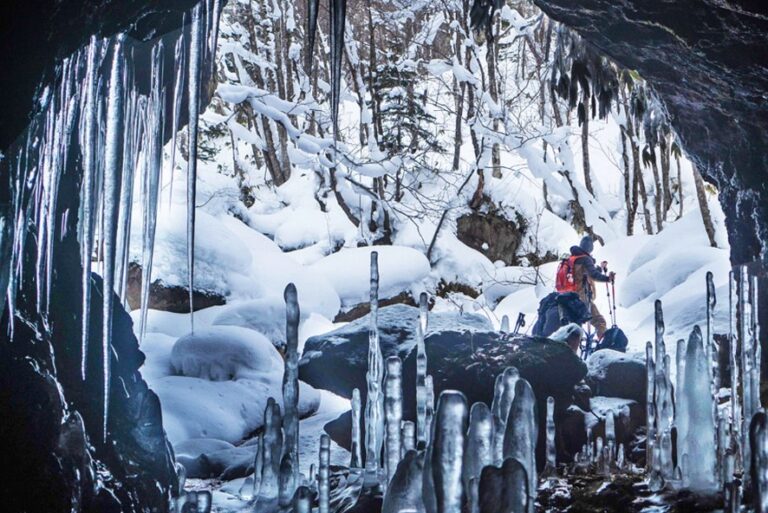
(401,269)
(619,375)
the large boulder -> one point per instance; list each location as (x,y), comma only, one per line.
(615,374)
(337,361)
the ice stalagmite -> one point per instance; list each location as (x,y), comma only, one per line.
(700,442)
(356,460)
(302,500)
(443,487)
(421,372)
(710,347)
(271,450)
(610,434)
(193,107)
(504,489)
(393,414)
(650,411)
(374,410)
(112,173)
(409,437)
(152,178)
(250,487)
(754,342)
(551,466)
(504,394)
(734,359)
(430,408)
(522,433)
(323,475)
(758,442)
(504,325)
(287,480)
(404,493)
(180,57)
(291,380)
(479,452)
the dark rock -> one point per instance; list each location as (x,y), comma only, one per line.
(492,234)
(615,374)
(337,361)
(629,419)
(357,311)
(170,298)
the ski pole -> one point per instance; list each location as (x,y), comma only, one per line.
(613,293)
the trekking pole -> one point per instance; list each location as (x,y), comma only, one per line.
(613,293)
(611,305)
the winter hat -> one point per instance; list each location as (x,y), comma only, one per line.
(586,244)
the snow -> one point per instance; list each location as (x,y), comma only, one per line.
(224,353)
(402,269)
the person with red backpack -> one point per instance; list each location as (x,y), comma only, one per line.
(578,273)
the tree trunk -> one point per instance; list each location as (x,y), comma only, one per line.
(679,185)
(706,216)
(585,145)
(658,192)
(665,178)
(631,207)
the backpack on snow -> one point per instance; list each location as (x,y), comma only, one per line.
(564,280)
(556,310)
(614,338)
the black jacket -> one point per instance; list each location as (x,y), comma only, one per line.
(589,264)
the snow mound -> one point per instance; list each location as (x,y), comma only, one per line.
(599,361)
(400,269)
(267,316)
(223,353)
(506,281)
(196,446)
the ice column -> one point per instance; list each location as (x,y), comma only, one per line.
(522,433)
(374,422)
(409,437)
(291,380)
(443,469)
(287,481)
(323,474)
(357,460)
(393,413)
(430,408)
(650,411)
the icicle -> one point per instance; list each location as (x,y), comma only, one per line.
(479,452)
(443,489)
(754,343)
(374,422)
(178,94)
(698,398)
(421,371)
(152,178)
(323,475)
(746,349)
(87,197)
(195,77)
(665,458)
(408,434)
(655,478)
(338,14)
(620,458)
(291,381)
(271,448)
(521,435)
(393,414)
(681,415)
(505,488)
(550,469)
(112,174)
(659,331)
(758,442)
(596,458)
(504,394)
(357,460)
(665,408)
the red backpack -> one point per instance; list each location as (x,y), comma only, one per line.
(564,280)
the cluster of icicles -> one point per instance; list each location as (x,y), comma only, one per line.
(727,446)
(483,458)
(98,115)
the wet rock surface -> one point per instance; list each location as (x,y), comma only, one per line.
(169,298)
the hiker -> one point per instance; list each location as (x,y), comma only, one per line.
(571,334)
(578,273)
